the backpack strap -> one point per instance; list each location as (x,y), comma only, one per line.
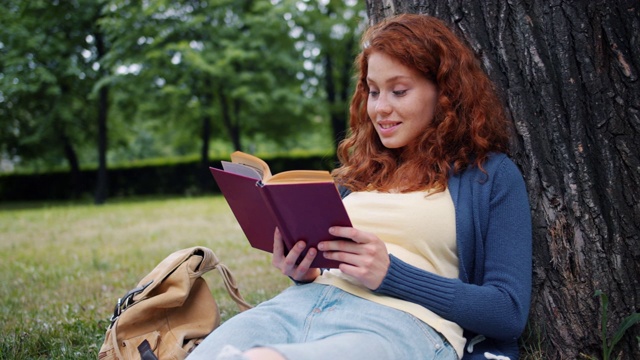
(145,351)
(232,288)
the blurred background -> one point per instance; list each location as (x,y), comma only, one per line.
(98,94)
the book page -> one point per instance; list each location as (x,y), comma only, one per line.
(254,162)
(241,169)
(299,177)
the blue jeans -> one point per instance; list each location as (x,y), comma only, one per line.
(313,321)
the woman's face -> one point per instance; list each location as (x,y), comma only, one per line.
(401,101)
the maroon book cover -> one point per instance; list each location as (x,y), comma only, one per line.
(303,211)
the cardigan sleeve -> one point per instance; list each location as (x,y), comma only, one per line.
(497,305)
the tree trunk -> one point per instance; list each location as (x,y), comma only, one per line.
(338,123)
(207,105)
(227,119)
(74,165)
(568,72)
(337,88)
(345,90)
(102,184)
(69,151)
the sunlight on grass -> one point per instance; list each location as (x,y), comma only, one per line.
(63,266)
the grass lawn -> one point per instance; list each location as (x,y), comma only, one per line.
(64,265)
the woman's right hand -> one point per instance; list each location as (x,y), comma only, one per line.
(287,264)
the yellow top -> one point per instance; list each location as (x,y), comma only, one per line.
(417,229)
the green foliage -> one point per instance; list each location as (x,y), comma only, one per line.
(183,78)
(609,344)
(230,62)
(46,73)
(327,34)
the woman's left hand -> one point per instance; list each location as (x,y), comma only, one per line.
(365,258)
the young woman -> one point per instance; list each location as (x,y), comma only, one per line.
(438,265)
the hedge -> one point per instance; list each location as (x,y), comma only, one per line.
(175,178)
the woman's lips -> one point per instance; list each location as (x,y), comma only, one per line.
(388,127)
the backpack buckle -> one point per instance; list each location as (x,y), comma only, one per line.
(126,301)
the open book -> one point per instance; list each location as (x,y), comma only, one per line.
(303,204)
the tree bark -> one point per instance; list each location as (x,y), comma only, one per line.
(568,72)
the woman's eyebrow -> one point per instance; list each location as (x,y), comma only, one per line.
(391,79)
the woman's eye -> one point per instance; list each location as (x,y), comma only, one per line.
(373,93)
(399,92)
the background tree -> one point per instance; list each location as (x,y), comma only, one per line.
(328,33)
(102,183)
(231,61)
(569,74)
(47,70)
(171,78)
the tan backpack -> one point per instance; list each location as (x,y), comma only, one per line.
(170,311)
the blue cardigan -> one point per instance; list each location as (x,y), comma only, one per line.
(492,295)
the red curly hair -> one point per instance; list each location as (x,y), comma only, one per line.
(468,124)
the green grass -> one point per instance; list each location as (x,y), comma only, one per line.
(63,266)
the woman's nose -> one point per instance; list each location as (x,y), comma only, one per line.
(382,105)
